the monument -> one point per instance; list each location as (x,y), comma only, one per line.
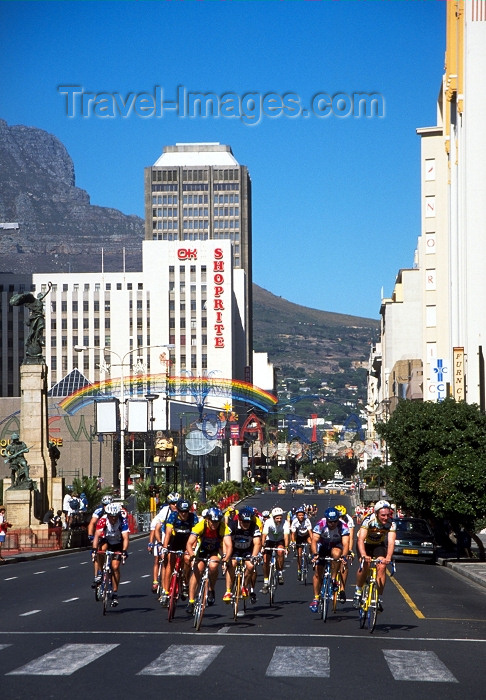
(32,489)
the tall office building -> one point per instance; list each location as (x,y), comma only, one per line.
(199,192)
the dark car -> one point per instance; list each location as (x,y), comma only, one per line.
(415,539)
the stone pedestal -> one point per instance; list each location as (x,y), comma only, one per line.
(20,507)
(34,432)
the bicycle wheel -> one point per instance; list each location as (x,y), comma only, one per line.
(326,596)
(200,604)
(272,583)
(106,584)
(236,595)
(304,567)
(373,606)
(336,593)
(173,594)
(363,608)
(159,580)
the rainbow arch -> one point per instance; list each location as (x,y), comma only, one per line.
(197,387)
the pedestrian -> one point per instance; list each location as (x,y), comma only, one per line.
(4,525)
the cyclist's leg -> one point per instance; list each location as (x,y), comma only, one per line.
(115,572)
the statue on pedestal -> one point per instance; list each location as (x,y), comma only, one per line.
(15,451)
(36,323)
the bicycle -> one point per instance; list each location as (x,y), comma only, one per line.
(202,595)
(176,582)
(104,589)
(340,584)
(236,593)
(369,604)
(304,563)
(272,574)
(327,592)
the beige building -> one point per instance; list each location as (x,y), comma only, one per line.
(434,322)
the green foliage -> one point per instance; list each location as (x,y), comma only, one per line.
(90,487)
(437,452)
(278,474)
(142,492)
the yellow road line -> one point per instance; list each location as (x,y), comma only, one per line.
(406,597)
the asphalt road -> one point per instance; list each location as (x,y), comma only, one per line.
(54,641)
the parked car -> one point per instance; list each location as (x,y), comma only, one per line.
(415,539)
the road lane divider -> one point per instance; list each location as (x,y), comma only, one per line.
(406,597)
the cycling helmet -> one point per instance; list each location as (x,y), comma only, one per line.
(301,509)
(173,497)
(183,506)
(381,504)
(341,509)
(245,514)
(214,514)
(277,511)
(107,499)
(266,514)
(113,509)
(332,515)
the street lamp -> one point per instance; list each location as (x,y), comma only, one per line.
(121,359)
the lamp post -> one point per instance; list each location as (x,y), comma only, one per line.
(121,359)
(151,398)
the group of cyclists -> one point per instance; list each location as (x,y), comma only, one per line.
(218,537)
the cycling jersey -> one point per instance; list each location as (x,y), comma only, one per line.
(210,539)
(243,538)
(301,529)
(330,537)
(180,529)
(274,532)
(376,532)
(112,533)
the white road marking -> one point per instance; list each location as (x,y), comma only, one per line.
(63,567)
(182,660)
(4,646)
(36,573)
(407,665)
(69,600)
(11,578)
(82,563)
(31,612)
(224,629)
(300,662)
(145,576)
(122,583)
(63,661)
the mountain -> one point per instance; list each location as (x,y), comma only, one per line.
(59,230)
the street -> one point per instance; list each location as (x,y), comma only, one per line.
(432,635)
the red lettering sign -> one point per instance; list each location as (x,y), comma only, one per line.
(187,254)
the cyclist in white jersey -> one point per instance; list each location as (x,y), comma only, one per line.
(157,529)
(276,534)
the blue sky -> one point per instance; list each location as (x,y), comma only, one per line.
(336,208)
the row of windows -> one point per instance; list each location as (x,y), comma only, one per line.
(168,225)
(74,323)
(96,286)
(227,224)
(195,224)
(195,211)
(226,199)
(228,236)
(182,270)
(165,211)
(194,175)
(195,199)
(226,186)
(201,187)
(164,175)
(226,211)
(164,188)
(165,199)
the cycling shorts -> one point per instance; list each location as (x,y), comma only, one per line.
(301,539)
(118,547)
(324,551)
(271,544)
(375,550)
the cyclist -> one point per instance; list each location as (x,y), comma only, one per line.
(265,516)
(330,538)
(157,527)
(275,535)
(97,514)
(376,539)
(300,534)
(208,538)
(247,542)
(112,532)
(177,530)
(344,568)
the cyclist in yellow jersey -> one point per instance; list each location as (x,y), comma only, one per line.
(208,538)
(376,539)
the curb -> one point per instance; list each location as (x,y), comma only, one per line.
(465,570)
(16,558)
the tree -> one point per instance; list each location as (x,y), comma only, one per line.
(437,452)
(89,485)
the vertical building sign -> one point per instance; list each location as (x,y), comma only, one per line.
(459,381)
(218,279)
